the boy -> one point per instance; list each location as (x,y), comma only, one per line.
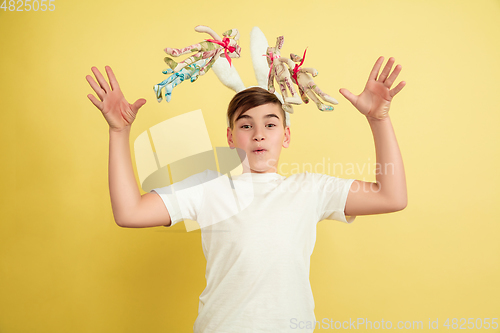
(257,258)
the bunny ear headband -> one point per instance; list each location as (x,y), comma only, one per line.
(267,62)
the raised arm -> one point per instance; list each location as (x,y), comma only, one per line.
(129,208)
(388,193)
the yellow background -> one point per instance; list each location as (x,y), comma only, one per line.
(65,265)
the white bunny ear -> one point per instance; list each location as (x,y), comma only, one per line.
(258,48)
(228,75)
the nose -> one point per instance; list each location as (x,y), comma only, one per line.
(258,135)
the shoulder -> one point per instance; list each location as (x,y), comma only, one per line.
(191,182)
(203,177)
(209,174)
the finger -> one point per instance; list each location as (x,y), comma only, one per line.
(390,80)
(398,88)
(349,95)
(102,82)
(386,70)
(98,90)
(94,101)
(138,104)
(112,78)
(376,69)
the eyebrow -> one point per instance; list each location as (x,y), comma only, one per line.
(270,115)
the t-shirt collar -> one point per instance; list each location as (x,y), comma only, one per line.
(259,177)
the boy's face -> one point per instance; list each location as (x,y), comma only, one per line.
(259,128)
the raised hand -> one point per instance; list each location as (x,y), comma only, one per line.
(375,100)
(114,107)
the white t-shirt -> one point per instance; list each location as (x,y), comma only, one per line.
(258,233)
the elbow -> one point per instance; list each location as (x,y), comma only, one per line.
(120,223)
(397,201)
(399,205)
(394,204)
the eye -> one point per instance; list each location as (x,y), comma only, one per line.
(244,126)
(272,125)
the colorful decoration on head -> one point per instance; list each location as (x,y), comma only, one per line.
(278,71)
(268,65)
(208,52)
(189,72)
(307,87)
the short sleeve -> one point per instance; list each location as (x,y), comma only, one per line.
(332,195)
(184,199)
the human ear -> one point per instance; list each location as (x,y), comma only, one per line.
(287,138)
(230,138)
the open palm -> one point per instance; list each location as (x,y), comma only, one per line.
(375,100)
(114,107)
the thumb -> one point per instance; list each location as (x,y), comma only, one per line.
(349,95)
(138,104)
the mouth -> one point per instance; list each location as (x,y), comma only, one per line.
(259,151)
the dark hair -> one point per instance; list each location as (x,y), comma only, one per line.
(250,98)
